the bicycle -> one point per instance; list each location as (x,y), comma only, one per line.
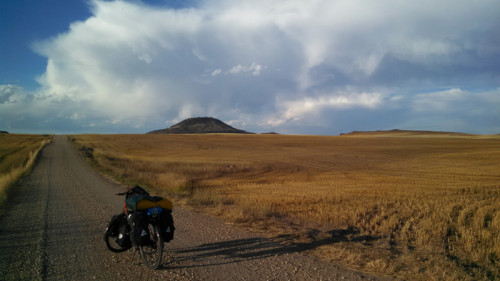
(118,233)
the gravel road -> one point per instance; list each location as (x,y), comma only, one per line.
(52,229)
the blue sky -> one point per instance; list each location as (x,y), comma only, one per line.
(24,22)
(294,67)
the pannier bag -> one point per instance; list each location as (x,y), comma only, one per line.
(167,225)
(138,223)
(119,229)
(114,225)
(123,239)
(139,228)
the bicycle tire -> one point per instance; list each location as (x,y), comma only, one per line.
(152,252)
(111,243)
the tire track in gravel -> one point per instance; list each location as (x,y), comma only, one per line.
(52,229)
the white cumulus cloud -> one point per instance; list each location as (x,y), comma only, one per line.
(132,65)
(296,109)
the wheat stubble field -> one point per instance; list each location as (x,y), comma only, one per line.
(17,156)
(410,205)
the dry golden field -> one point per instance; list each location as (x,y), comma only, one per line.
(415,206)
(17,156)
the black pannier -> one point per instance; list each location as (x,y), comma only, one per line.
(139,228)
(123,239)
(166,225)
(119,229)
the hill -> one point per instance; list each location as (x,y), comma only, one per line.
(397,132)
(200,125)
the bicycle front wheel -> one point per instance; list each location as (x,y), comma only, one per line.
(152,250)
(111,240)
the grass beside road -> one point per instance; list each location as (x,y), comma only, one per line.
(17,156)
(414,206)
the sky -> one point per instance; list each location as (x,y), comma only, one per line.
(320,67)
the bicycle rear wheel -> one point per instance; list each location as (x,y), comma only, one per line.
(152,251)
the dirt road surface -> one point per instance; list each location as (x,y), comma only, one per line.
(52,229)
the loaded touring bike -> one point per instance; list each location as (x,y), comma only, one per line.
(146,223)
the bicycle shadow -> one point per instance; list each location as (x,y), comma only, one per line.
(234,251)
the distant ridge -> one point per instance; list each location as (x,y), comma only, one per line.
(200,125)
(403,132)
